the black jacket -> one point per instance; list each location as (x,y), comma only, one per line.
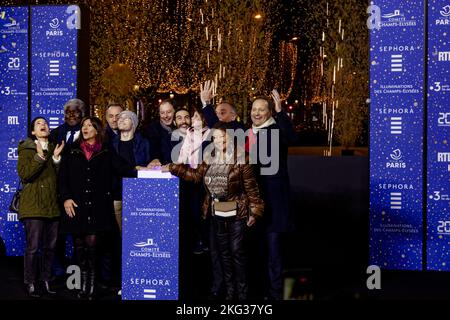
(89,184)
(275,189)
(160,142)
(59,134)
(211,118)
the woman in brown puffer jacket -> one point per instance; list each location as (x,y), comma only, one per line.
(232,183)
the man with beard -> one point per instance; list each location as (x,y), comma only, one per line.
(182,121)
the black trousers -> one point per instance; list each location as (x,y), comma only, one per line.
(216,265)
(41,237)
(275,267)
(230,244)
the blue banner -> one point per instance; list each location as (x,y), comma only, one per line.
(53,60)
(150,233)
(53,82)
(438,153)
(396,133)
(13,120)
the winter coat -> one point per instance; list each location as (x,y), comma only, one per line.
(275,189)
(242,187)
(211,118)
(89,184)
(141,148)
(160,142)
(141,151)
(39,195)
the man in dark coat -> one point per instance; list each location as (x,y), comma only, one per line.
(74,111)
(69,131)
(110,252)
(224,112)
(273,135)
(112,116)
(159,133)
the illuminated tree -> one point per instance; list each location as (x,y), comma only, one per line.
(246,45)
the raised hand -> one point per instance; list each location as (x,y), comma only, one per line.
(276,100)
(58,149)
(207,92)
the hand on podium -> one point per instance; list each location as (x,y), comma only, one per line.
(154,164)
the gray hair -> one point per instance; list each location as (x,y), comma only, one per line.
(79,104)
(232,107)
(132,116)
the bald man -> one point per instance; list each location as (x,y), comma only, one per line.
(224,111)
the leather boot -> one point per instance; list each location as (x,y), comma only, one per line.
(84,282)
(228,278)
(91,252)
(82,263)
(33,291)
(91,286)
(47,288)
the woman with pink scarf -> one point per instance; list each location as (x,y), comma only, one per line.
(85,185)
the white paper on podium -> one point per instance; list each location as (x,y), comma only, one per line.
(154,174)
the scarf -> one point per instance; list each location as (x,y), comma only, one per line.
(268,122)
(90,149)
(44,145)
(251,138)
(167,128)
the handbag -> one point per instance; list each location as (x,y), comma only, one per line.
(15,201)
(225,209)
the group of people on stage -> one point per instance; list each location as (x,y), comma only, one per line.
(72,184)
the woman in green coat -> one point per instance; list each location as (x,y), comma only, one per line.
(38,208)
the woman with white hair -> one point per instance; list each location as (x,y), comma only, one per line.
(132,147)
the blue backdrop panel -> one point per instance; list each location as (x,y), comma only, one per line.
(13,119)
(53,81)
(54,62)
(438,166)
(396,133)
(150,239)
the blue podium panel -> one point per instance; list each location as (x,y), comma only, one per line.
(150,233)
(438,166)
(396,132)
(13,116)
